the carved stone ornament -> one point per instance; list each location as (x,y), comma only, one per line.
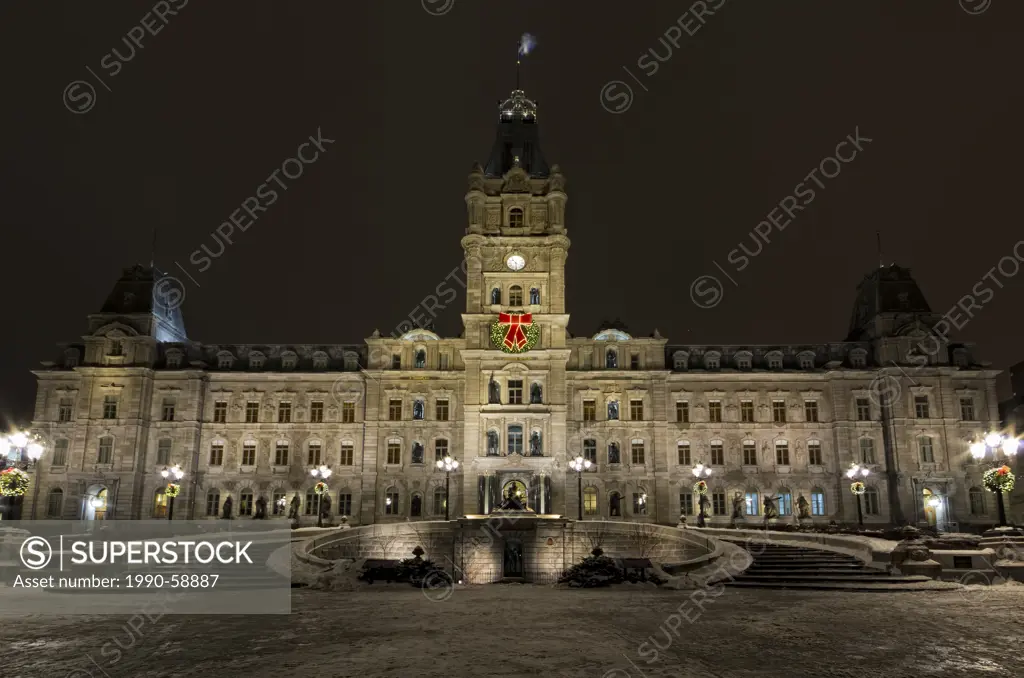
(516,181)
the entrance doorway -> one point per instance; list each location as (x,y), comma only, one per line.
(517,489)
(934,509)
(95,503)
(512,566)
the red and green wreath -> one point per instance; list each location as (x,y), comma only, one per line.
(172,489)
(320,488)
(858,488)
(1000,479)
(700,487)
(514,332)
(13,482)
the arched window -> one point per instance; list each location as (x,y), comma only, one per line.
(55,503)
(213,502)
(417,452)
(614,504)
(536,393)
(515,217)
(496,296)
(160,503)
(116,348)
(438,501)
(640,502)
(613,453)
(785,502)
(421,358)
(817,502)
(611,359)
(417,409)
(536,444)
(245,503)
(871,501)
(977,499)
(534,296)
(225,360)
(590,501)
(416,506)
(515,296)
(752,502)
(493,445)
(391,504)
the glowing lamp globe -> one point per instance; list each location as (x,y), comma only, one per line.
(978,450)
(35,451)
(1010,446)
(993,440)
(19,439)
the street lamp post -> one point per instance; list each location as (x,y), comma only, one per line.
(324,472)
(579,464)
(448,464)
(176,474)
(852,473)
(28,445)
(1008,445)
(701,472)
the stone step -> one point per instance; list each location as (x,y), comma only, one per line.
(804,562)
(810,572)
(878,587)
(879,576)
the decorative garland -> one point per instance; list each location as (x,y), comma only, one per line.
(700,487)
(858,488)
(514,332)
(13,482)
(1000,479)
(320,488)
(173,489)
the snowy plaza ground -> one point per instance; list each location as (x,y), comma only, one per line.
(523,630)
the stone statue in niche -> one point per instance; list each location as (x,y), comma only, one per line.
(226,514)
(770,508)
(536,449)
(802,506)
(293,510)
(261,509)
(417,453)
(534,296)
(325,506)
(613,453)
(613,410)
(703,503)
(493,449)
(737,506)
(493,392)
(535,394)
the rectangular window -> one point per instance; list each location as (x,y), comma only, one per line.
(779,411)
(64,409)
(284,413)
(871,503)
(927,451)
(281,454)
(344,504)
(634,361)
(106,452)
(636,410)
(718,503)
(279,504)
(394,452)
(750,454)
(313,456)
(814,453)
(163,452)
(589,410)
(637,452)
(217,454)
(60,453)
(752,502)
(110,407)
(977,503)
(715,411)
(817,503)
(441,409)
(316,412)
(220,412)
(683,453)
(747,411)
(683,412)
(252,412)
(686,504)
(639,504)
(867,451)
(443,361)
(785,504)
(782,454)
(590,451)
(168,409)
(346,454)
(440,449)
(590,503)
(967,409)
(396,361)
(587,360)
(863,409)
(395,410)
(249,454)
(811,410)
(717,454)
(515,439)
(348,412)
(921,407)
(515,391)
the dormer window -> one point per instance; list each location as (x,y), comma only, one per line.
(960,358)
(351,362)
(319,360)
(680,359)
(743,360)
(225,361)
(858,358)
(515,218)
(289,360)
(774,360)
(712,360)
(174,359)
(515,296)
(115,348)
(806,361)
(256,360)
(71,358)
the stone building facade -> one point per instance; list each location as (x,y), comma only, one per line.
(245,421)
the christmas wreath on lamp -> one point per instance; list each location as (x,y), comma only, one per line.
(13,482)
(320,488)
(514,332)
(858,488)
(700,487)
(172,490)
(1000,479)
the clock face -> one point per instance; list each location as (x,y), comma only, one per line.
(515,262)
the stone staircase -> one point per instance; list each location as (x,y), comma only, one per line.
(794,567)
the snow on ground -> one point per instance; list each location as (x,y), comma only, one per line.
(525,630)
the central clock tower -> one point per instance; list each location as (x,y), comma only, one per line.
(515,250)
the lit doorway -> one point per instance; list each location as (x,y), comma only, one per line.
(95,503)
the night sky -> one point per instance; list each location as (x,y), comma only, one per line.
(199,117)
